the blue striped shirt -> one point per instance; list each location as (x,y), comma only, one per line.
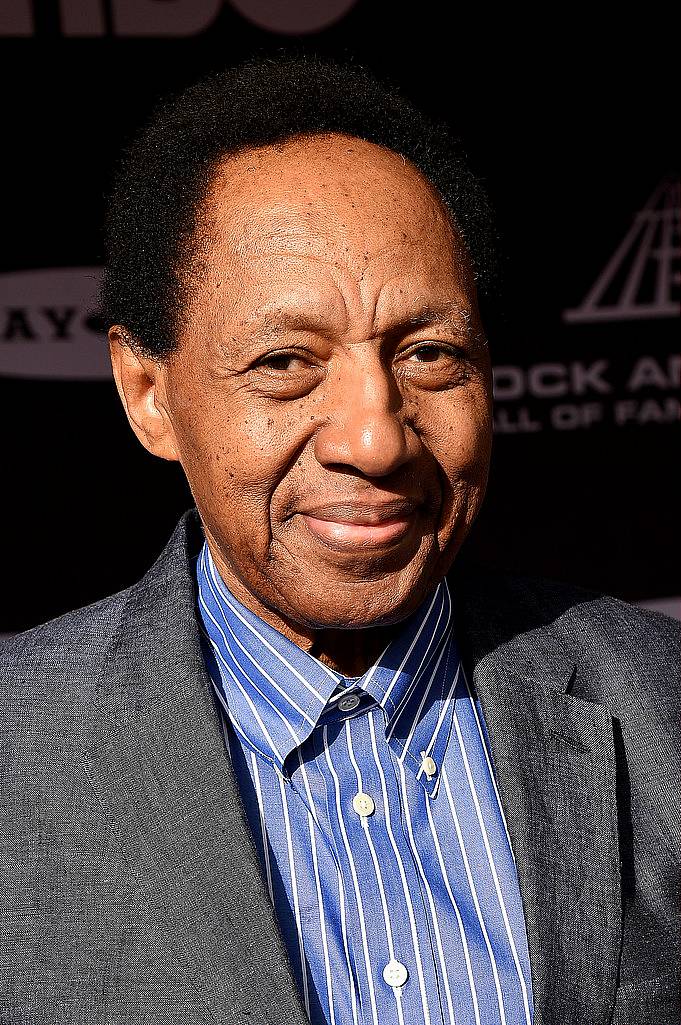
(375,813)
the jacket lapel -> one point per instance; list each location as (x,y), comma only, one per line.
(555,766)
(171,791)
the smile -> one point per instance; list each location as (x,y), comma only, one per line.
(365,527)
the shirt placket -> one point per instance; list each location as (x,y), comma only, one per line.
(384,907)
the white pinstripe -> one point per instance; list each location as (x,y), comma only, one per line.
(424,880)
(294,889)
(402,704)
(436,731)
(474,895)
(260,669)
(247,698)
(311,822)
(412,646)
(459,920)
(412,730)
(377,869)
(487,761)
(405,888)
(493,869)
(263,828)
(341,893)
(353,871)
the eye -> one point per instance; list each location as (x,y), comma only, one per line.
(434,365)
(280,361)
(427,353)
(431,352)
(286,373)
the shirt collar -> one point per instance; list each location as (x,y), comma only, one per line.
(275,692)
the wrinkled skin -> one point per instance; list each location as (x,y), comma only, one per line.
(331,354)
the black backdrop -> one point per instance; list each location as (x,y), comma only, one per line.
(573,126)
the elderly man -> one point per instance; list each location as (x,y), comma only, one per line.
(306,768)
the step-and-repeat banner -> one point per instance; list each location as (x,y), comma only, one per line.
(575,140)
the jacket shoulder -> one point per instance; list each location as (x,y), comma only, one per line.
(624,653)
(66,645)
(593,620)
(574,609)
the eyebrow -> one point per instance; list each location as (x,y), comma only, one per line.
(273,324)
(449,313)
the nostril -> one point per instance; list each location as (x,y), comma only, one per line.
(375,448)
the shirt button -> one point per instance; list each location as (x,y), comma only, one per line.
(429,767)
(363,804)
(395,974)
(349,703)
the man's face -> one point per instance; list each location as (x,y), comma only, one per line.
(330,399)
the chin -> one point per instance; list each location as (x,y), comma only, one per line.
(362,604)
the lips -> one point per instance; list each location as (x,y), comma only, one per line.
(347,524)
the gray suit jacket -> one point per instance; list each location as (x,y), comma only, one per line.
(131,889)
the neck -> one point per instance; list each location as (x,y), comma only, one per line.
(350,652)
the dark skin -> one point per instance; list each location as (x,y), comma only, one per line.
(330,399)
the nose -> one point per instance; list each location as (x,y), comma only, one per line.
(364,428)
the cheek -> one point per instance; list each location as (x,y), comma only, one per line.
(235,457)
(458,430)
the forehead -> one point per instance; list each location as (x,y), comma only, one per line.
(334,196)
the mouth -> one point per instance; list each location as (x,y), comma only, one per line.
(348,525)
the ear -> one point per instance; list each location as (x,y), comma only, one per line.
(140,382)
